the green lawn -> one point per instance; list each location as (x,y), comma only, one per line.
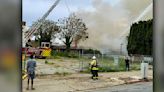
(107,65)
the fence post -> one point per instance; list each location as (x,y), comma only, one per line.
(79,61)
(82,60)
(102,56)
(116,60)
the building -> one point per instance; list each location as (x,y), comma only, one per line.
(25,29)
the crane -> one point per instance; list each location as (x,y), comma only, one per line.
(34,28)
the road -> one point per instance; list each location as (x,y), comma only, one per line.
(138,87)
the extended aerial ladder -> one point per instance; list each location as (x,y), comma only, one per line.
(34,28)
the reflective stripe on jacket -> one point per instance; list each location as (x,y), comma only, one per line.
(93,65)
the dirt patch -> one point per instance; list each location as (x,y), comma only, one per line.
(126,79)
(62,76)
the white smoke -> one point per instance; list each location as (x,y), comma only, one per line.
(106,23)
(144,15)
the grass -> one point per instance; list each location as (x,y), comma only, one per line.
(64,54)
(107,65)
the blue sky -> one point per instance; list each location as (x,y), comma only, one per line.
(34,9)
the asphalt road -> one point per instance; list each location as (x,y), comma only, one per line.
(138,87)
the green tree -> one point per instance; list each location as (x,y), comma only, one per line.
(72,29)
(140,38)
(46,31)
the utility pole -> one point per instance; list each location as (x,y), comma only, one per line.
(121,48)
(94,52)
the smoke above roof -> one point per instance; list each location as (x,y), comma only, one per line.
(106,22)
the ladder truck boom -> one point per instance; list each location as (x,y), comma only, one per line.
(33,29)
(51,8)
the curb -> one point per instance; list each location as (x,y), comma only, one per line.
(136,81)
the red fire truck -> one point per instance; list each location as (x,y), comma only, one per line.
(40,52)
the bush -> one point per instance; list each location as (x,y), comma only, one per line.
(64,54)
(91,51)
(46,62)
(135,67)
(73,55)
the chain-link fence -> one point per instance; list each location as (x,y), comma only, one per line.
(109,63)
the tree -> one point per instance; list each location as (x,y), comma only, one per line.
(91,51)
(140,38)
(46,31)
(72,29)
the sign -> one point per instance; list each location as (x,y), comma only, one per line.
(149,59)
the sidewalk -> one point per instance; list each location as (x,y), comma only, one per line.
(81,82)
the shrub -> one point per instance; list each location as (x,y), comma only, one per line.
(65,54)
(46,62)
(91,51)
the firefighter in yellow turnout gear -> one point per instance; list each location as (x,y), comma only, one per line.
(94,68)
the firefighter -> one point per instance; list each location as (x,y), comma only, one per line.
(94,68)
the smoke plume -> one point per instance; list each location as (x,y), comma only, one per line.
(106,22)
